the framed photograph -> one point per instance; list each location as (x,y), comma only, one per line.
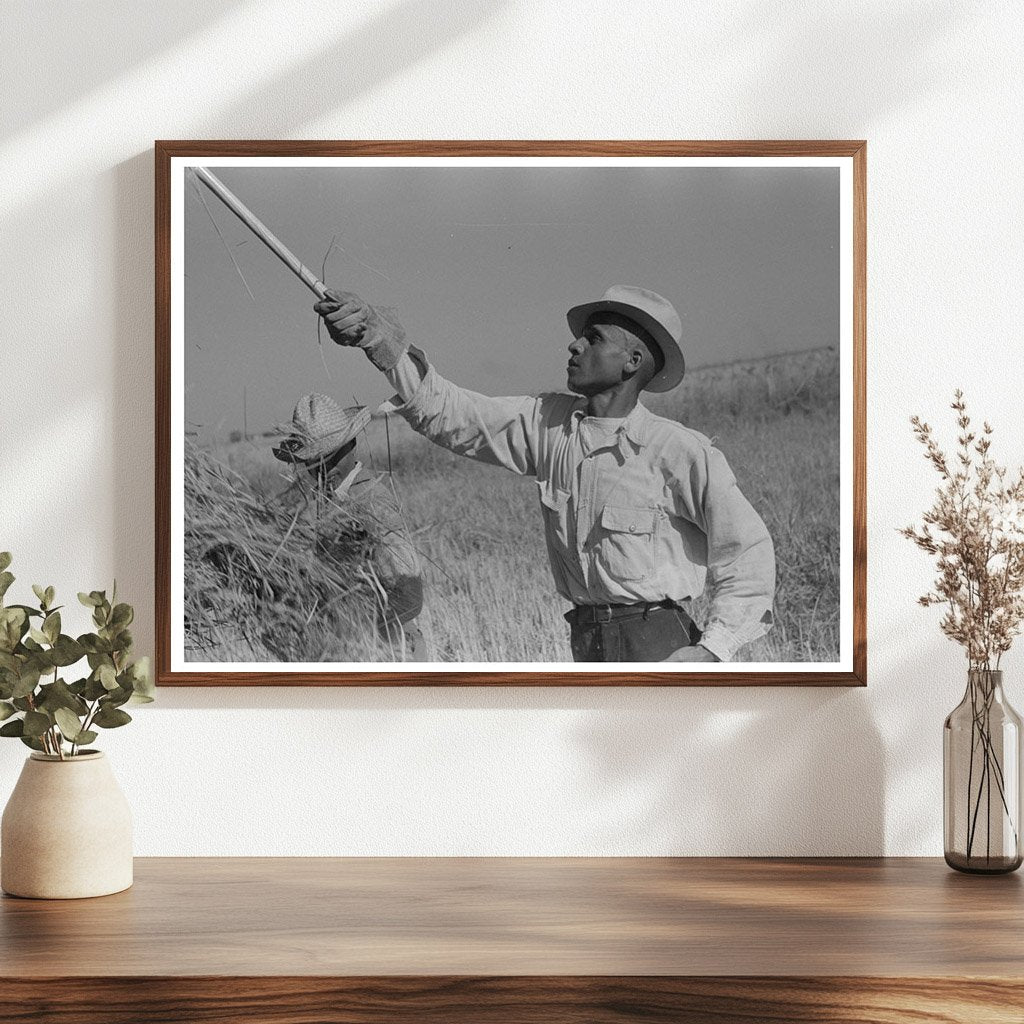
(492,413)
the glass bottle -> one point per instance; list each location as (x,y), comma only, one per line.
(981,775)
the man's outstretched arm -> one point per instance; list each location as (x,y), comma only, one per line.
(500,431)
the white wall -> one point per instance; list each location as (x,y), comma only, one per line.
(936,88)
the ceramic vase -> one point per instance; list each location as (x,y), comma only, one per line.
(66,830)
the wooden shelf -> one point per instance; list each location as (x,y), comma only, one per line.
(289,940)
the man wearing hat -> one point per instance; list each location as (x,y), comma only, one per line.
(640,512)
(322,443)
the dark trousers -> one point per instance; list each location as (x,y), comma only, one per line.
(644,632)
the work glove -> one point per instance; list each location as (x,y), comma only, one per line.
(374,329)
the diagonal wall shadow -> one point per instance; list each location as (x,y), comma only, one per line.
(829,64)
(65,32)
(393,41)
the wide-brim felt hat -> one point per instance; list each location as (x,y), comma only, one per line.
(654,314)
(320,427)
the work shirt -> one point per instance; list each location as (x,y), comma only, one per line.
(635,509)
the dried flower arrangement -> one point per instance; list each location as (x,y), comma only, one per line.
(975,529)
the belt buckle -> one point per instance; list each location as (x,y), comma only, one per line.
(603,613)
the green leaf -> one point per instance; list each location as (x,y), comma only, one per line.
(94,689)
(94,644)
(86,736)
(142,680)
(108,718)
(38,635)
(51,627)
(6,710)
(69,724)
(15,615)
(31,741)
(59,695)
(12,628)
(27,681)
(30,612)
(40,593)
(36,723)
(89,600)
(15,728)
(6,579)
(5,559)
(115,698)
(10,663)
(22,703)
(107,676)
(122,616)
(123,641)
(66,651)
(50,595)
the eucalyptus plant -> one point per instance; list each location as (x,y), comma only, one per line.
(54,716)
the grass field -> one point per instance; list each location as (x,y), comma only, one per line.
(489,594)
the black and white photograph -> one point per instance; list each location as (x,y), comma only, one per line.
(435,414)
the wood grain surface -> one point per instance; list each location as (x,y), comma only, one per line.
(530,1000)
(307,940)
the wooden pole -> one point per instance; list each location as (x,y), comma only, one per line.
(261,231)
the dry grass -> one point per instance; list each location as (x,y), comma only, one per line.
(267,579)
(489,595)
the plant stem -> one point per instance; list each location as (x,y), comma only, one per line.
(981,701)
(988,811)
(57,738)
(970,767)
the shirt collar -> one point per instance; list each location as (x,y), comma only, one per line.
(634,425)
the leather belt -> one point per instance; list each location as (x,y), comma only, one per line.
(587,614)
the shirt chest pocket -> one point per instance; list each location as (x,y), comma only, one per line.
(625,541)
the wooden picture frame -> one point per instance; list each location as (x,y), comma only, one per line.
(773,265)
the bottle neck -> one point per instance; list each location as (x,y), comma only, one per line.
(986,683)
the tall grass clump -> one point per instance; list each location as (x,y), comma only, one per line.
(269,578)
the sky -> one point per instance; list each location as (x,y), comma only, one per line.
(482,264)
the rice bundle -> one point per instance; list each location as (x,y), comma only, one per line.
(281,578)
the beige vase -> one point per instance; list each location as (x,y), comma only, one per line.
(66,831)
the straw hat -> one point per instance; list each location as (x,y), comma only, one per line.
(654,314)
(320,427)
